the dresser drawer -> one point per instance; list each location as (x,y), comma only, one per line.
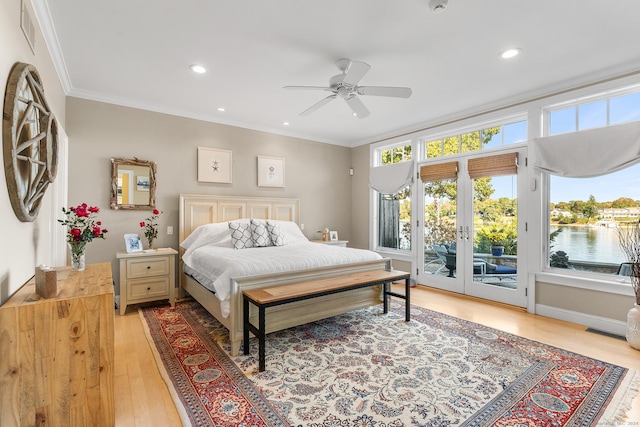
(147,267)
(148,288)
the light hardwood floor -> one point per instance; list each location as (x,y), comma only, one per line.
(142,398)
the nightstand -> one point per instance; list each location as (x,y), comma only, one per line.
(147,276)
(342,243)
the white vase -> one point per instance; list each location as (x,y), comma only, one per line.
(633,327)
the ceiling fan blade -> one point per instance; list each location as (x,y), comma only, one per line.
(306,87)
(355,72)
(317,105)
(357,107)
(397,92)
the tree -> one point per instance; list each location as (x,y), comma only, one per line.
(576,206)
(452,145)
(590,208)
(623,202)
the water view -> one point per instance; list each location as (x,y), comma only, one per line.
(584,243)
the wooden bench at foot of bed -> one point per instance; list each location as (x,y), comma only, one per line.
(283,294)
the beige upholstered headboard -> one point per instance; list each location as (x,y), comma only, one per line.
(199,209)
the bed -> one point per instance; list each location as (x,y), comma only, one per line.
(201,214)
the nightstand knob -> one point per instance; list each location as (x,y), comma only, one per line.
(148,289)
(148,267)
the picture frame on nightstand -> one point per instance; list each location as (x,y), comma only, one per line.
(132,243)
(333,235)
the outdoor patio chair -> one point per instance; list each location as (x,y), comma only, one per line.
(481,267)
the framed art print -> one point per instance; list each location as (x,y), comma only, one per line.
(132,243)
(333,236)
(270,171)
(142,183)
(214,165)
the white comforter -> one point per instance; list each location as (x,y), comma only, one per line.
(214,266)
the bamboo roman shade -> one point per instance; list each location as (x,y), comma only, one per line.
(439,172)
(502,164)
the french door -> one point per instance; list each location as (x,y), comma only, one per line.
(473,225)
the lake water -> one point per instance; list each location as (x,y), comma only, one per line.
(595,244)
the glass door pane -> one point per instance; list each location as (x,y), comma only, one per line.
(494,260)
(440,262)
(495,231)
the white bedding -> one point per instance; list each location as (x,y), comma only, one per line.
(211,259)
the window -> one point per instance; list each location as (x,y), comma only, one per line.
(605,112)
(585,213)
(394,224)
(392,180)
(492,137)
(395,154)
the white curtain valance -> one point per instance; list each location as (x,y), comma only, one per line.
(589,153)
(389,179)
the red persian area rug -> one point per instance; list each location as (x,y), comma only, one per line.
(369,369)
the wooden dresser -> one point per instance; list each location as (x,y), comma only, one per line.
(57,354)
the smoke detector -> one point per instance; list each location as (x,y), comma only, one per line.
(438,6)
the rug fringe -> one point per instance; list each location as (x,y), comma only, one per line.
(620,405)
(182,412)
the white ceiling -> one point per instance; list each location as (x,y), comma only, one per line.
(138,52)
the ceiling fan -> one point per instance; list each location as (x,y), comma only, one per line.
(345,86)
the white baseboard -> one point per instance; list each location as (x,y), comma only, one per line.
(603,324)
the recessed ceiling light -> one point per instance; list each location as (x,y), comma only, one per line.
(222,109)
(510,53)
(285,123)
(198,69)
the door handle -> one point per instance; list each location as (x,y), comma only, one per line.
(461,236)
(466,233)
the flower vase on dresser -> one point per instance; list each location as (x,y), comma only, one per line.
(82,227)
(77,255)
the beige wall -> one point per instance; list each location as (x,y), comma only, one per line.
(360,197)
(25,245)
(316,173)
(594,303)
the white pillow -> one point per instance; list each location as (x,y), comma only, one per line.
(276,234)
(259,233)
(214,233)
(290,230)
(240,235)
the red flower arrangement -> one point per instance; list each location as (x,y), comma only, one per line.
(151,227)
(81,223)
(82,227)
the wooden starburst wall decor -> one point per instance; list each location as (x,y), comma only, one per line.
(30,141)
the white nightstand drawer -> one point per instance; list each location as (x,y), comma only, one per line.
(147,267)
(142,288)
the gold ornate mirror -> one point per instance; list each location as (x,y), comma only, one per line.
(133,184)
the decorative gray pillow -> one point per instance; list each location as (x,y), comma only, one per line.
(259,233)
(240,235)
(276,234)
